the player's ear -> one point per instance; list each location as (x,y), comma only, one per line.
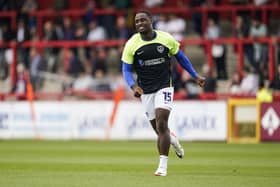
(152,20)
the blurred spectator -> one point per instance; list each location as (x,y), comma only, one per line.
(102,82)
(197,16)
(36,65)
(108,20)
(153,3)
(28,7)
(22,36)
(22,32)
(213,29)
(242,30)
(210,85)
(6,35)
(275,83)
(241,27)
(68,29)
(98,61)
(177,71)
(264,94)
(72,65)
(83,82)
(33,34)
(99,70)
(234,84)
(58,28)
(218,50)
(49,32)
(258,29)
(176,27)
(189,87)
(250,81)
(89,15)
(50,53)
(4,66)
(92,59)
(80,34)
(21,82)
(8,5)
(213,14)
(278,45)
(162,23)
(122,31)
(96,32)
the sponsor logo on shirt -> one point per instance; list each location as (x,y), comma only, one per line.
(154,61)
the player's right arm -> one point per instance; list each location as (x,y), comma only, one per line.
(128,76)
(127,61)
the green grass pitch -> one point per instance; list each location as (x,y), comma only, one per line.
(131,164)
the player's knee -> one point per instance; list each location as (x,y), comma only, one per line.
(162,126)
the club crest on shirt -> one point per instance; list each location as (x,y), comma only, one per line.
(141,62)
(160,48)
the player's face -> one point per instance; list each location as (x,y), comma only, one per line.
(143,23)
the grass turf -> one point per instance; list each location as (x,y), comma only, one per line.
(131,164)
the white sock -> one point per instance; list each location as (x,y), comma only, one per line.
(173,138)
(163,161)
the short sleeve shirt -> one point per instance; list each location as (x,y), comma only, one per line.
(151,60)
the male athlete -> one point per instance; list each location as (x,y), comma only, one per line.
(149,52)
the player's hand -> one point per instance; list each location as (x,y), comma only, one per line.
(200,80)
(137,91)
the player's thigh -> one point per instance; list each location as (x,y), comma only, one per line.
(148,101)
(164,98)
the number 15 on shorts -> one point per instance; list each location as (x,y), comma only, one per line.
(167,97)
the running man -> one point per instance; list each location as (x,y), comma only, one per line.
(148,52)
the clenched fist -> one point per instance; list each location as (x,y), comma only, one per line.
(137,90)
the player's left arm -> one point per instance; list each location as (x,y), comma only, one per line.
(174,49)
(187,65)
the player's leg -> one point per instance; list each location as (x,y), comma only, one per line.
(173,140)
(163,131)
(163,105)
(163,140)
(148,100)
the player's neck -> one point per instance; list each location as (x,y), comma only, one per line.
(149,35)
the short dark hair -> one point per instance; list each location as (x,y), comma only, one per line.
(147,12)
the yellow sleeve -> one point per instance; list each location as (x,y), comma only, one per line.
(127,55)
(173,44)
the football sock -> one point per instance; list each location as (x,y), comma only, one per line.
(163,161)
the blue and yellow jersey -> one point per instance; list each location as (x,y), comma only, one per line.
(151,60)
